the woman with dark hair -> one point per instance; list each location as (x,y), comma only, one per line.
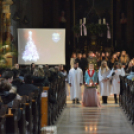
(124,57)
(103,56)
(107,58)
(113,60)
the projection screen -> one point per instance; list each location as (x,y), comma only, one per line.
(41,46)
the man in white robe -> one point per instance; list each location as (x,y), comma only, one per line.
(75,82)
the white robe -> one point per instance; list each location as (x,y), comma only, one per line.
(105,89)
(75,78)
(123,72)
(116,81)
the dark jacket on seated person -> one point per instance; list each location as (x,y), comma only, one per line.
(27,88)
(17,82)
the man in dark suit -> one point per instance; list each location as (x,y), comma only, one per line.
(27,87)
(79,59)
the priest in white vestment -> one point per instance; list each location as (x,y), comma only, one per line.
(104,82)
(75,82)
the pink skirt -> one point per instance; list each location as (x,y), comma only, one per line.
(90,98)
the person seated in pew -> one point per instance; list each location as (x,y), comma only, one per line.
(23,72)
(60,71)
(39,76)
(1,71)
(16,80)
(47,75)
(16,66)
(131,75)
(6,92)
(8,75)
(47,71)
(27,87)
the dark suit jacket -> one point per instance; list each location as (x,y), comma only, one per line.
(80,62)
(27,89)
(84,64)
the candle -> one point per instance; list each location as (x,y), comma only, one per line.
(104,21)
(99,21)
(84,20)
(80,21)
(90,84)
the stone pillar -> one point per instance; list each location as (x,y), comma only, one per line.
(0,22)
(47,14)
(55,10)
(73,9)
(130,22)
(67,6)
(118,25)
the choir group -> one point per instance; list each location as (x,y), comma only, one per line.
(102,69)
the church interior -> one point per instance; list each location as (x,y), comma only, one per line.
(66,66)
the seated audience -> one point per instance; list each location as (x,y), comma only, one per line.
(38,76)
(46,71)
(7,92)
(27,87)
(16,66)
(60,71)
(16,79)
(131,75)
(8,75)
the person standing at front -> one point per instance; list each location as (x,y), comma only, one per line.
(75,82)
(104,81)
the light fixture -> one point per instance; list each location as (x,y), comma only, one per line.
(25,20)
(16,16)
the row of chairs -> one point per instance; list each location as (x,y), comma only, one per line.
(22,118)
(127,97)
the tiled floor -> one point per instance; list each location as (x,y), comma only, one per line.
(109,119)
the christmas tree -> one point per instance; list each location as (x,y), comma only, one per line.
(30,53)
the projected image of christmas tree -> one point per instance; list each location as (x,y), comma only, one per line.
(30,53)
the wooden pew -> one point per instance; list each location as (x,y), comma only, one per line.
(3,109)
(35,112)
(44,107)
(29,116)
(22,121)
(12,119)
